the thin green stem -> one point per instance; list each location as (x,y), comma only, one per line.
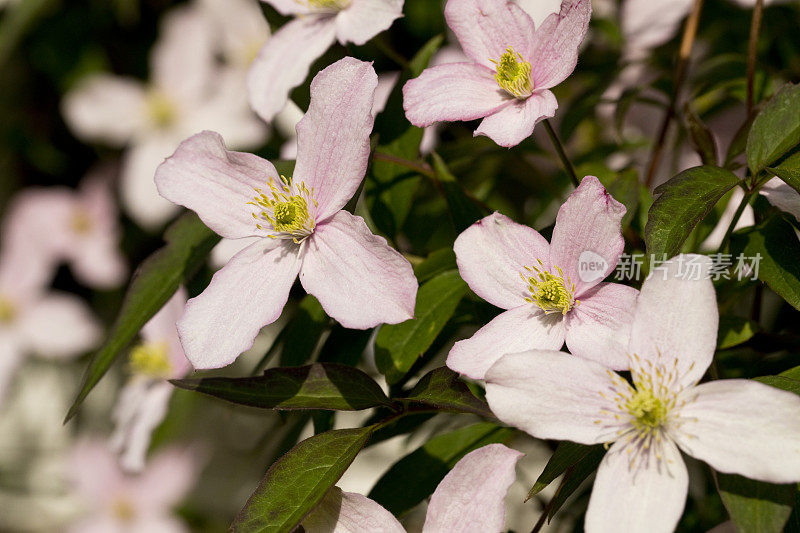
(752,49)
(421,167)
(736,216)
(561,153)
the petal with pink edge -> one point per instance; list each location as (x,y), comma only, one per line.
(599,328)
(782,196)
(649,496)
(554,395)
(557,40)
(471,497)
(514,123)
(59,325)
(452,91)
(676,318)
(215,183)
(245,295)
(491,255)
(364,19)
(742,427)
(284,61)
(519,329)
(333,136)
(588,228)
(359,279)
(486,28)
(348,512)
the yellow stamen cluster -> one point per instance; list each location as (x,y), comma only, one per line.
(151,359)
(286,213)
(7,310)
(549,292)
(336,5)
(123,510)
(514,74)
(160,109)
(80,222)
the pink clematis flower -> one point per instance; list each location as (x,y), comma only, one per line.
(551,292)
(782,196)
(284,61)
(359,280)
(116,502)
(143,402)
(513,67)
(736,426)
(469,498)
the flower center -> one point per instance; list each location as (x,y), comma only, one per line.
(551,293)
(123,510)
(7,310)
(151,359)
(514,74)
(80,222)
(649,412)
(160,109)
(287,213)
(333,5)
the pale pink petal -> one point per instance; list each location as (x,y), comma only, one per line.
(491,255)
(333,136)
(386,83)
(288,7)
(554,395)
(162,328)
(138,191)
(241,29)
(100,263)
(284,61)
(647,24)
(166,481)
(514,123)
(59,325)
(471,497)
(556,44)
(742,427)
(348,512)
(676,318)
(782,196)
(215,183)
(11,358)
(519,329)
(246,295)
(160,523)
(359,279)
(648,496)
(364,19)
(486,28)
(226,249)
(141,407)
(93,471)
(539,10)
(453,91)
(588,228)
(106,108)
(599,328)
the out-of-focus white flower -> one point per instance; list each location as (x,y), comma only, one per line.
(782,196)
(143,402)
(240,30)
(187,92)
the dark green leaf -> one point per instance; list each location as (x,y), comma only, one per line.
(302,334)
(188,243)
(779,265)
(575,477)
(734,330)
(398,346)
(776,129)
(436,263)
(789,171)
(441,388)
(567,455)
(683,202)
(297,482)
(755,506)
(345,346)
(788,381)
(463,210)
(701,137)
(414,477)
(317,386)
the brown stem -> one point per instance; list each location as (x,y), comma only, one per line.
(755,27)
(685,52)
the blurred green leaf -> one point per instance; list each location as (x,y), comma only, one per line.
(463,210)
(188,243)
(789,171)
(567,455)
(683,202)
(437,262)
(297,482)
(776,129)
(443,389)
(734,330)
(701,137)
(317,386)
(303,332)
(414,477)
(755,506)
(775,243)
(398,346)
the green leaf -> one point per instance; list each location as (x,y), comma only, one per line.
(776,243)
(297,482)
(437,262)
(463,210)
(776,129)
(734,330)
(789,171)
(318,386)
(188,243)
(755,506)
(567,455)
(302,334)
(414,477)
(443,389)
(574,477)
(788,381)
(701,137)
(398,346)
(685,200)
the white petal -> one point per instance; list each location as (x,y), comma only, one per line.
(364,19)
(138,192)
(59,325)
(348,512)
